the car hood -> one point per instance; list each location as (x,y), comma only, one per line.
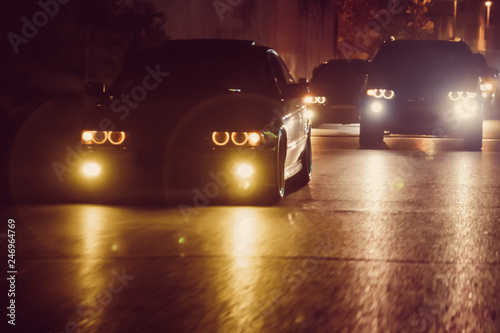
(156,121)
(455,80)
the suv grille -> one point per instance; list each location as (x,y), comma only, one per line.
(419,95)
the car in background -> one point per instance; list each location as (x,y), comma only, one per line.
(423,87)
(334,91)
(217,118)
(489,83)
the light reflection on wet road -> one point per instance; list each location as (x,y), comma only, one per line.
(381,240)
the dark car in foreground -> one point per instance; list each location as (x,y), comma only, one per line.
(334,91)
(216,118)
(423,87)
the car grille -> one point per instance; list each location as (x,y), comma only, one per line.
(419,95)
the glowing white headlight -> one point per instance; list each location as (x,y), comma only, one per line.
(486,86)
(315,100)
(253,138)
(87,137)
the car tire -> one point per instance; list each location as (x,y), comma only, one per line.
(304,175)
(277,190)
(473,139)
(370,136)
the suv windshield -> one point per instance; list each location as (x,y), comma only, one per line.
(424,58)
(197,74)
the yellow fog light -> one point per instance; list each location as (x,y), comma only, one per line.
(376,107)
(244,171)
(91,169)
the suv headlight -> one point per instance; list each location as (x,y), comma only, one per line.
(381,93)
(315,100)
(487,87)
(461,95)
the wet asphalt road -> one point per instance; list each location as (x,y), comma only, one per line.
(400,239)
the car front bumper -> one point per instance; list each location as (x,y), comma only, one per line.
(444,118)
(234,173)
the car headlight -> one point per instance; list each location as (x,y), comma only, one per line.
(237,138)
(487,87)
(254,138)
(381,93)
(100,137)
(315,100)
(461,95)
(116,138)
(87,137)
(220,138)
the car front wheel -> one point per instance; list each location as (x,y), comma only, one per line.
(304,175)
(277,190)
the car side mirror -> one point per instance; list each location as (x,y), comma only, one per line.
(95,89)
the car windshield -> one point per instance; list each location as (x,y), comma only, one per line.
(424,59)
(196,74)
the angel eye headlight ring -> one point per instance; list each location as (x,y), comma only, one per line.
(388,94)
(116,138)
(99,137)
(220,138)
(239,138)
